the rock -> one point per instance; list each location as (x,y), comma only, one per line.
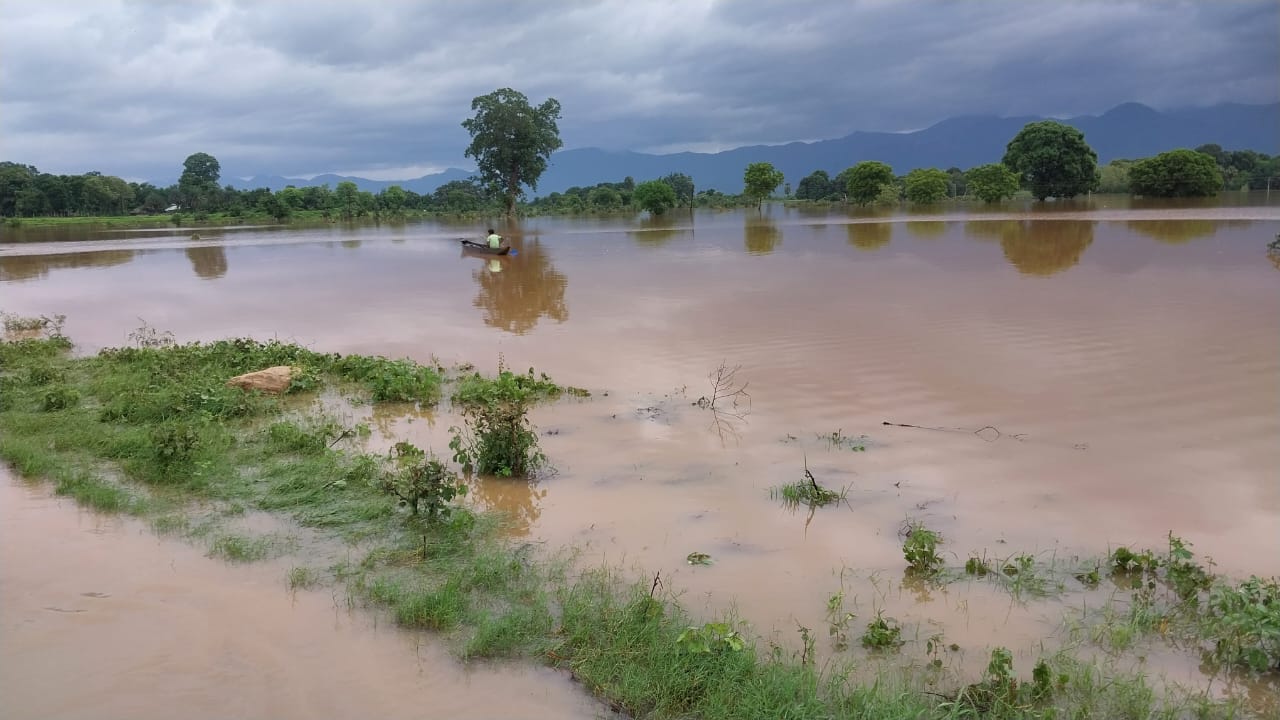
(272,380)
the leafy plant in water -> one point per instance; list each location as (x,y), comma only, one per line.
(920,548)
(1244,624)
(1185,576)
(148,337)
(421,482)
(838,620)
(711,638)
(882,633)
(698,558)
(498,437)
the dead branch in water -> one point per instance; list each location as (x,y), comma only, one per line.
(726,389)
(979,432)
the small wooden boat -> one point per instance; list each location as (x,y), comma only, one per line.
(483,248)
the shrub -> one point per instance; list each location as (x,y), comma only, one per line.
(421,482)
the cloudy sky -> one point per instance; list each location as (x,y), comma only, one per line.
(379,88)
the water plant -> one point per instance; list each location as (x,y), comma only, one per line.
(920,548)
(421,482)
(882,633)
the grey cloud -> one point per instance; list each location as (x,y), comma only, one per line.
(290,87)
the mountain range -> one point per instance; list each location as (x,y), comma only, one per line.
(1131,130)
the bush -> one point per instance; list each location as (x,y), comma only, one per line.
(421,482)
(1177,173)
(498,437)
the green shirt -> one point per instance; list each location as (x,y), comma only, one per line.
(495,241)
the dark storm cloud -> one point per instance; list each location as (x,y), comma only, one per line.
(305,87)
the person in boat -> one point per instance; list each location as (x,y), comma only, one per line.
(495,240)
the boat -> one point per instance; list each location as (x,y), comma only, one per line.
(471,246)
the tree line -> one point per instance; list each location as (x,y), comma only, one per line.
(513,140)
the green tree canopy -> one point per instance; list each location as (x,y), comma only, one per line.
(199,180)
(655,196)
(926,185)
(815,186)
(866,180)
(1053,159)
(760,180)
(511,141)
(683,185)
(1177,173)
(992,182)
(1114,176)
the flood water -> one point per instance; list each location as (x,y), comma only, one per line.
(1123,360)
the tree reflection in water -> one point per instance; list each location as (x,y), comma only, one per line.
(760,236)
(869,236)
(1037,247)
(521,290)
(1177,232)
(27,267)
(209,262)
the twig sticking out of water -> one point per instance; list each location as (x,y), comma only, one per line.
(981,432)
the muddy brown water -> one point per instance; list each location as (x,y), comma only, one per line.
(1124,358)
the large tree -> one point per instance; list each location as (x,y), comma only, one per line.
(866,180)
(199,181)
(1053,159)
(760,180)
(1177,173)
(992,182)
(926,185)
(511,141)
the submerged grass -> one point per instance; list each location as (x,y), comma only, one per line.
(154,426)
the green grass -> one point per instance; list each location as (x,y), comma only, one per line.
(806,492)
(238,548)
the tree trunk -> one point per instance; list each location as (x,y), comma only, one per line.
(513,187)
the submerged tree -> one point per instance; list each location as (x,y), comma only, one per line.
(866,180)
(926,185)
(1053,159)
(760,180)
(655,196)
(992,182)
(199,180)
(1177,173)
(511,140)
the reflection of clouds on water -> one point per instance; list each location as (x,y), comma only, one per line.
(527,288)
(519,499)
(1036,247)
(869,236)
(209,261)
(27,267)
(761,236)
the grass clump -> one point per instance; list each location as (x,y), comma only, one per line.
(303,578)
(807,492)
(238,548)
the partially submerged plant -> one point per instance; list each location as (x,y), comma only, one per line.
(807,492)
(421,482)
(920,548)
(498,438)
(712,637)
(882,633)
(838,620)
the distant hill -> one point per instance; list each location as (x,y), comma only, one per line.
(423,185)
(1126,131)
